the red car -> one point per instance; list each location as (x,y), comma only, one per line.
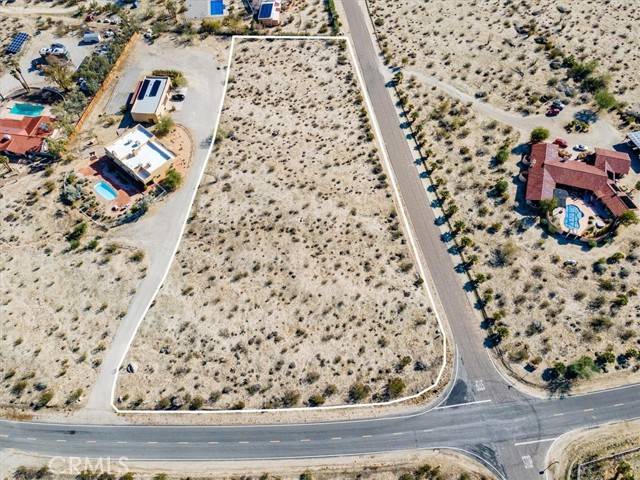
(561,142)
(552,112)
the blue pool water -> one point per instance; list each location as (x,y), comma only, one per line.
(216,7)
(27,109)
(106,191)
(572,216)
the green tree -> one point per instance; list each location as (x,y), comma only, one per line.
(60,74)
(539,134)
(164,126)
(502,156)
(172,180)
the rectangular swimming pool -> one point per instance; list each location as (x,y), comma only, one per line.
(27,109)
(216,7)
(106,191)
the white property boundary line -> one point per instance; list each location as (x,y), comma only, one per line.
(407,225)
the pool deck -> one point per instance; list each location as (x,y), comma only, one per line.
(587,210)
(5,110)
(100,169)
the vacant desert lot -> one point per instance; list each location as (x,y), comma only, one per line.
(477,47)
(60,307)
(294,283)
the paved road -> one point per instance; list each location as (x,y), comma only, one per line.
(498,424)
(485,429)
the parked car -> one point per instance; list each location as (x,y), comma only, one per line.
(91,37)
(56,49)
(561,142)
(581,148)
(558,104)
(179,94)
(552,112)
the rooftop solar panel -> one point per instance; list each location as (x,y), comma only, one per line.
(265,10)
(143,89)
(17,42)
(154,88)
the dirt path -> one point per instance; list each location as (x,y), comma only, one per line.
(602,132)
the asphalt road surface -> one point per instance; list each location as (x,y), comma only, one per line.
(482,414)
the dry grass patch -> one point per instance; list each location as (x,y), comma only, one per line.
(294,283)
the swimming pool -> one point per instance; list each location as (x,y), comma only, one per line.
(27,109)
(106,191)
(216,7)
(572,217)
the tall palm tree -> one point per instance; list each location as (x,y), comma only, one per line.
(16,73)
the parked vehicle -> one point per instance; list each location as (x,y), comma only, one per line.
(552,112)
(561,142)
(179,94)
(91,37)
(581,148)
(558,104)
(56,49)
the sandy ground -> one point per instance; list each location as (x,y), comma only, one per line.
(584,446)
(294,244)
(554,311)
(477,47)
(450,465)
(549,307)
(59,307)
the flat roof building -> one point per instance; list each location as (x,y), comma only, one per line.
(141,155)
(150,99)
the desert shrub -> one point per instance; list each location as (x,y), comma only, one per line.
(605,99)
(600,324)
(163,126)
(172,180)
(539,134)
(395,387)
(358,392)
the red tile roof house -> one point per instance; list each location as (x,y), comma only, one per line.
(24,137)
(548,172)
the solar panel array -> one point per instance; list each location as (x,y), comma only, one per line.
(17,42)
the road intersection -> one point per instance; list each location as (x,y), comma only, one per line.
(482,415)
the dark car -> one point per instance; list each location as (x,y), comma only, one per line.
(177,97)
